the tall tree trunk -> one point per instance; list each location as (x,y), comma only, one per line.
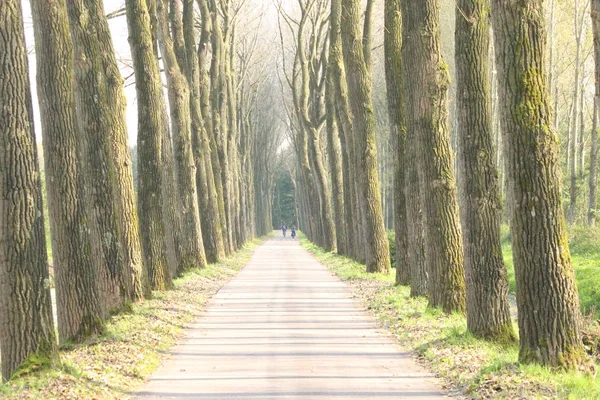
(591,214)
(26,327)
(574,132)
(549,316)
(344,122)
(488,313)
(209,204)
(151,127)
(335,164)
(414,214)
(426,77)
(192,246)
(397,112)
(101,117)
(78,301)
(218,99)
(359,84)
(581,141)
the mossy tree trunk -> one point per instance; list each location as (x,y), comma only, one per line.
(549,315)
(192,246)
(363,122)
(488,313)
(207,192)
(100,104)
(78,300)
(427,80)
(152,124)
(397,113)
(26,327)
(592,178)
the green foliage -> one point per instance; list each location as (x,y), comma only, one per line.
(392,240)
(483,369)
(284,204)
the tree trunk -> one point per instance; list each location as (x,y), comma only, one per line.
(26,327)
(574,136)
(101,117)
(344,123)
(426,77)
(359,85)
(591,214)
(549,316)
(397,113)
(488,313)
(78,301)
(151,127)
(335,165)
(192,246)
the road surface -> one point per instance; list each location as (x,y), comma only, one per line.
(285,328)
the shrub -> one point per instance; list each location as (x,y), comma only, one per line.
(392,240)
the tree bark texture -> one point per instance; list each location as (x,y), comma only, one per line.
(192,246)
(100,104)
(151,127)
(592,206)
(335,166)
(26,327)
(549,315)
(75,267)
(344,123)
(363,122)
(426,77)
(488,313)
(397,113)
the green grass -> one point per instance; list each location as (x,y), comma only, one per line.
(481,369)
(113,365)
(584,244)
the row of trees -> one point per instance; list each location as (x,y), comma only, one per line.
(200,161)
(448,253)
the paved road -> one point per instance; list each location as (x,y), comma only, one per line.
(284,328)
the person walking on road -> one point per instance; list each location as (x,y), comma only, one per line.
(283,229)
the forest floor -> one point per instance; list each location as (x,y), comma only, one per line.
(285,327)
(115,364)
(467,365)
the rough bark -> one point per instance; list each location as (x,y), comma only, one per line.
(78,300)
(344,123)
(363,122)
(549,315)
(192,246)
(205,63)
(151,130)
(335,166)
(397,113)
(26,327)
(101,119)
(207,192)
(592,183)
(426,77)
(488,313)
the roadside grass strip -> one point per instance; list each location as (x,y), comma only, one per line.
(468,366)
(113,365)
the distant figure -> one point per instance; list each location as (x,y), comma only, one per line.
(283,229)
(293,231)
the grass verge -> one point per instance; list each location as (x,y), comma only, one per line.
(466,365)
(113,365)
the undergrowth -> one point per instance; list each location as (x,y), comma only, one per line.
(113,365)
(467,365)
